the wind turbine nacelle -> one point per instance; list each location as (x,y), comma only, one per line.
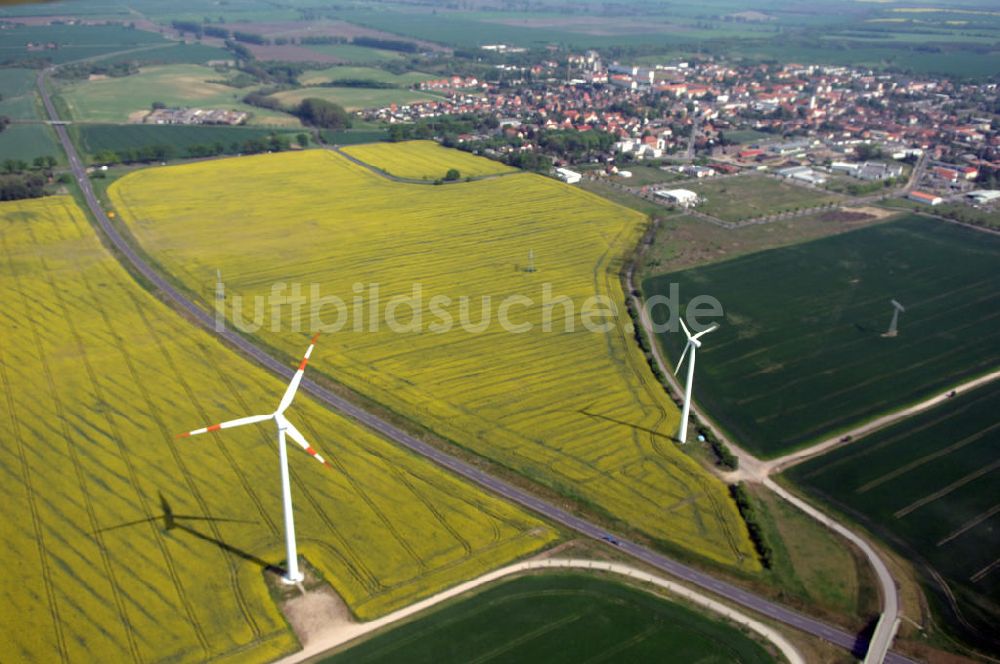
(695,342)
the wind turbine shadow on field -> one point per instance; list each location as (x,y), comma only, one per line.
(173,522)
(597,416)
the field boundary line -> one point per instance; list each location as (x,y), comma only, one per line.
(337,635)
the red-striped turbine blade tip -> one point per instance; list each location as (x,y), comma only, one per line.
(186,434)
(315,337)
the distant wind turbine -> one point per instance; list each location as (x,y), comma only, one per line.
(284,428)
(693,344)
(896,309)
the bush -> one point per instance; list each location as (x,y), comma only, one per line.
(452,175)
(749,514)
(724,458)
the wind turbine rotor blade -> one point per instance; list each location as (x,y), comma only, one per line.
(680,362)
(253,419)
(685,328)
(293,386)
(712,328)
(297,436)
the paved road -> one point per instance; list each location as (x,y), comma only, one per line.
(462,468)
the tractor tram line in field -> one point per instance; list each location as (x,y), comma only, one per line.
(193,491)
(39,537)
(363,495)
(150,515)
(60,414)
(95,527)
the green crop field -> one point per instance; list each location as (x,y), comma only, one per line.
(26,142)
(929,486)
(353,136)
(745,197)
(116,99)
(97,378)
(95,138)
(354,99)
(800,354)
(318,76)
(425,160)
(558,618)
(500,390)
(18,99)
(74,41)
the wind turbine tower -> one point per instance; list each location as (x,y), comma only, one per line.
(896,309)
(693,344)
(285,428)
(531,261)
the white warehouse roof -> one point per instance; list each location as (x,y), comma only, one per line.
(682,196)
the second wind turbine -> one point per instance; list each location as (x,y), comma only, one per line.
(693,344)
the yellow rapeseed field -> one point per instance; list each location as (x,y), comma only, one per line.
(97,376)
(576,410)
(424,160)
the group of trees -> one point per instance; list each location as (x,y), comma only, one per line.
(199,30)
(152,153)
(575,145)
(867,152)
(84,70)
(43,164)
(359,83)
(262,99)
(323,114)
(754,527)
(386,44)
(144,154)
(22,185)
(21,180)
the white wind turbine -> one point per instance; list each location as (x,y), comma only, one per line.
(284,428)
(693,344)
(897,308)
